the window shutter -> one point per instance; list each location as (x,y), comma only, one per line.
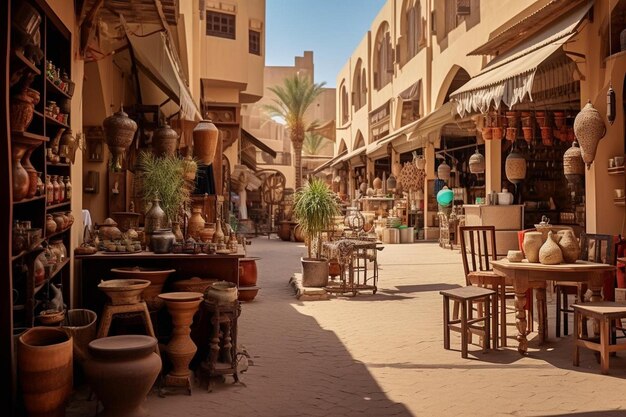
(463,7)
(376,80)
(390,60)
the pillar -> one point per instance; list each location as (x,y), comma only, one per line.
(493,166)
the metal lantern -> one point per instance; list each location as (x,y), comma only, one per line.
(477,163)
(443,171)
(573,164)
(589,129)
(515,167)
(610,105)
(391,182)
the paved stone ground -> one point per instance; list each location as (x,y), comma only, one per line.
(382,355)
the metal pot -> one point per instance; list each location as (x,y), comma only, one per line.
(162,241)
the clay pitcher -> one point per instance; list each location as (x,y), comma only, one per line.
(44,364)
(550,253)
(196,222)
(532,244)
(569,246)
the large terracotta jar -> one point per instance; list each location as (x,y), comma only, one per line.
(205,137)
(284,230)
(165,141)
(119,131)
(121,371)
(182,306)
(532,244)
(550,253)
(569,246)
(21,180)
(247,272)
(157,278)
(196,222)
(44,365)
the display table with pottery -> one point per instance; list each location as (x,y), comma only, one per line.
(182,306)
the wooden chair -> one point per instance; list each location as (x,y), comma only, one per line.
(595,248)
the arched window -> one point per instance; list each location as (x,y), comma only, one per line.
(345,113)
(363,88)
(383,57)
(358,99)
(411,26)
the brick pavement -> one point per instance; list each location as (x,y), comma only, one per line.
(383,355)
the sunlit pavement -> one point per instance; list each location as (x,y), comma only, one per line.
(382,355)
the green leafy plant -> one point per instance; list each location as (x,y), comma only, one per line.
(163,176)
(313,143)
(314,207)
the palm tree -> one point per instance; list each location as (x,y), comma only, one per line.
(313,143)
(293,98)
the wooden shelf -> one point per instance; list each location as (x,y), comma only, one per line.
(52,275)
(60,164)
(55,234)
(36,248)
(28,138)
(30,200)
(59,205)
(616,171)
(19,307)
(54,89)
(19,56)
(56,122)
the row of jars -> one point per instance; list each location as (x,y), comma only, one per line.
(59,221)
(58,189)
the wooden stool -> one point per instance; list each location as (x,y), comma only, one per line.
(111,310)
(606,312)
(466,296)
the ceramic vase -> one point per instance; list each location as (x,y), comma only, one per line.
(119,131)
(178,234)
(121,371)
(550,253)
(569,246)
(165,141)
(51,225)
(532,244)
(162,240)
(589,128)
(44,366)
(21,179)
(155,219)
(205,136)
(196,222)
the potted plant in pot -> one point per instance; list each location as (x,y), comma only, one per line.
(314,207)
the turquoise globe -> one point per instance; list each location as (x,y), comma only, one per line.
(445,197)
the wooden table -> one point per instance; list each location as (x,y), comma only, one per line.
(525,275)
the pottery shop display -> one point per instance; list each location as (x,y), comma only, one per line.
(164,141)
(162,240)
(205,136)
(532,244)
(157,278)
(573,164)
(182,306)
(119,131)
(121,371)
(589,128)
(550,252)
(155,219)
(44,367)
(80,325)
(569,246)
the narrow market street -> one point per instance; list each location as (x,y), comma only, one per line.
(382,355)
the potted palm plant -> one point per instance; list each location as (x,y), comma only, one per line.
(314,207)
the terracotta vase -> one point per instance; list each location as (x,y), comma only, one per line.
(21,179)
(22,111)
(546,135)
(196,222)
(121,371)
(528,134)
(44,365)
(32,172)
(119,131)
(155,219)
(550,253)
(165,141)
(569,246)
(532,245)
(589,128)
(157,278)
(205,136)
(182,306)
(206,234)
(247,272)
(178,234)
(284,231)
(218,236)
(573,164)
(221,292)
(497,133)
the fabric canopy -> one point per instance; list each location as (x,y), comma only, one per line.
(349,156)
(509,78)
(155,58)
(329,163)
(429,128)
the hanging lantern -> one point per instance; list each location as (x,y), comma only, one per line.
(477,163)
(573,164)
(589,129)
(445,197)
(391,182)
(610,104)
(515,167)
(119,131)
(443,171)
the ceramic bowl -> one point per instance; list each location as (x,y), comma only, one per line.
(515,256)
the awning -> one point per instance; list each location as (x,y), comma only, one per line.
(509,78)
(249,137)
(380,143)
(350,155)
(327,130)
(155,58)
(329,163)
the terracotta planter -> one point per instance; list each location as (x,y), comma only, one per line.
(44,365)
(119,131)
(511,133)
(206,234)
(248,272)
(497,133)
(124,291)
(121,371)
(540,117)
(298,234)
(528,133)
(205,137)
(165,141)
(182,306)
(157,278)
(284,231)
(22,111)
(487,133)
(546,135)
(559,119)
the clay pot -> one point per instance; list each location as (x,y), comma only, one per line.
(196,222)
(44,365)
(206,234)
(59,220)
(109,230)
(155,219)
(248,294)
(550,253)
(497,133)
(221,292)
(162,240)
(546,135)
(124,291)
(22,111)
(80,325)
(218,236)
(157,278)
(119,131)
(515,167)
(51,225)
(589,128)
(32,185)
(205,136)
(528,133)
(532,245)
(247,272)
(121,371)
(477,163)
(182,306)
(540,117)
(284,230)
(573,164)
(21,179)
(165,141)
(569,245)
(487,133)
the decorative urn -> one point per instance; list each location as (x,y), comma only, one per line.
(165,141)
(119,131)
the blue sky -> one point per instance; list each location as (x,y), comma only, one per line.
(332,29)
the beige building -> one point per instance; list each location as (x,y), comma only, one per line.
(414,81)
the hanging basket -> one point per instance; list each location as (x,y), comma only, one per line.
(589,128)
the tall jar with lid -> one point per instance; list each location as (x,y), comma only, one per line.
(49,190)
(68,188)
